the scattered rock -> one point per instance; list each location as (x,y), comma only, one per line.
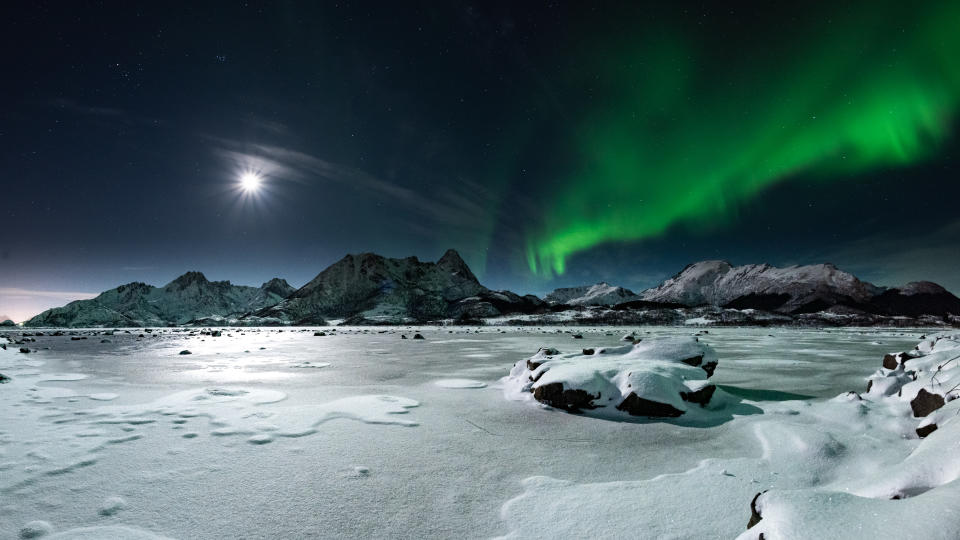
(588,351)
(923,431)
(418,336)
(638,406)
(111,506)
(925,403)
(35,529)
(578,336)
(755,516)
(24,350)
(319,334)
(4,378)
(570,400)
(701,396)
(185,352)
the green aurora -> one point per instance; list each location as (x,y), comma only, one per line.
(676,143)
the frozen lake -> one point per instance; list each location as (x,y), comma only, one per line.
(359,433)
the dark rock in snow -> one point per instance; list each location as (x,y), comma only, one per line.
(755,516)
(890,361)
(925,403)
(638,406)
(570,400)
(418,336)
(701,396)
(185,352)
(923,431)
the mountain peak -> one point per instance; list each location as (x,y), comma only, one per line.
(453,263)
(278,286)
(189,278)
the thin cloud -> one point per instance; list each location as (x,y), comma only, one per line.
(15,292)
(892,260)
(462,206)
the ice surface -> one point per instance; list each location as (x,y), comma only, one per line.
(232,441)
(459,383)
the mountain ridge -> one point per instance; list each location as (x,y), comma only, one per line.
(367,288)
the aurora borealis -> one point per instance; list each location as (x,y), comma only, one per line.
(552,144)
(652,158)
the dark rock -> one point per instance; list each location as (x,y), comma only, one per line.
(185,352)
(890,361)
(694,361)
(319,334)
(4,378)
(638,406)
(24,350)
(571,400)
(403,336)
(578,336)
(588,351)
(926,430)
(925,403)
(709,367)
(755,516)
(701,396)
(418,336)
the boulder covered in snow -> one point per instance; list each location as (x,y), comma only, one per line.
(927,377)
(653,378)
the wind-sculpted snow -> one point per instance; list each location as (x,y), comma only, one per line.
(122,436)
(911,498)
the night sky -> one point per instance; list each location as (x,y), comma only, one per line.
(551,144)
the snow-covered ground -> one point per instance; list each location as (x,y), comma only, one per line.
(260,433)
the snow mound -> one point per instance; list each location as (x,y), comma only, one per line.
(886,502)
(658,378)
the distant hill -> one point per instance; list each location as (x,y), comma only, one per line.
(797,290)
(186,298)
(601,294)
(369,288)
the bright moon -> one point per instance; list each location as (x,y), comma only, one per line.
(249,182)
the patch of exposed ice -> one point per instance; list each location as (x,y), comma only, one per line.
(459,383)
(113,532)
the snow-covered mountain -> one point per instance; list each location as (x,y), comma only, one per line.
(369,288)
(600,294)
(372,289)
(796,289)
(186,298)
